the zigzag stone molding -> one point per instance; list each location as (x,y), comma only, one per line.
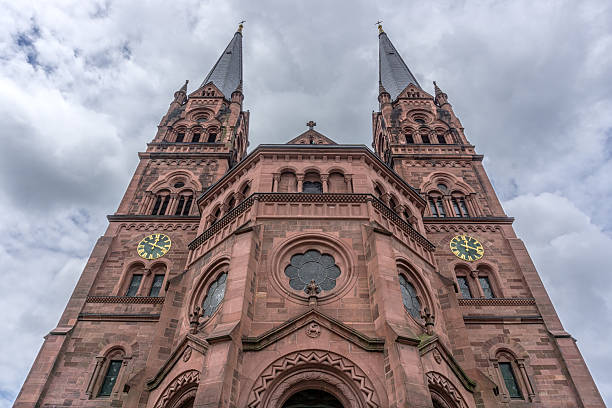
(264,392)
(439,381)
(187,379)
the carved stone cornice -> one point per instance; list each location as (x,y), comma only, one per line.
(489,319)
(428,344)
(497,302)
(126,299)
(312,316)
(189,341)
(119,317)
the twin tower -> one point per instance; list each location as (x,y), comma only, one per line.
(309,274)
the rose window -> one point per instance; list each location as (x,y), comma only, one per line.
(215,294)
(312,265)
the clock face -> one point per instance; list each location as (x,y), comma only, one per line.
(154,246)
(466,248)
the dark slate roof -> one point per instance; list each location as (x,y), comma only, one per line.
(394,75)
(227,72)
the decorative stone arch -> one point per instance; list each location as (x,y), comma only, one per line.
(443,391)
(200,115)
(115,347)
(417,113)
(344,258)
(310,369)
(430,183)
(210,273)
(167,181)
(424,290)
(502,346)
(181,389)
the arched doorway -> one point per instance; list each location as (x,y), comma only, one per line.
(312,399)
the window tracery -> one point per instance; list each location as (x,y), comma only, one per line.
(312,266)
(214,295)
(410,298)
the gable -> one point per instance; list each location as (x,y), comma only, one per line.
(311,137)
(412,91)
(207,90)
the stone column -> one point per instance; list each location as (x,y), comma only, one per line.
(300,182)
(501,383)
(470,202)
(325,182)
(525,377)
(94,376)
(275,182)
(448,206)
(172,204)
(348,179)
(118,388)
(477,283)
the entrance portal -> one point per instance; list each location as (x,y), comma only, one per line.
(312,399)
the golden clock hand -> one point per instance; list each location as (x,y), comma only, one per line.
(157,246)
(467,246)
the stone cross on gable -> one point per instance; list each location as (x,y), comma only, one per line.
(311,124)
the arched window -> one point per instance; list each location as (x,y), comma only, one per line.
(161,203)
(214,295)
(512,375)
(436,206)
(246,190)
(459,206)
(410,298)
(392,203)
(104,380)
(231,203)
(212,136)
(408,136)
(425,137)
(337,183)
(441,138)
(214,217)
(133,280)
(157,281)
(184,203)
(196,135)
(312,183)
(287,182)
(463,282)
(378,192)
(180,136)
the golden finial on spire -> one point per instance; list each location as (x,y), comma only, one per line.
(240,26)
(380,29)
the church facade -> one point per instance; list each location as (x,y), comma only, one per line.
(309,274)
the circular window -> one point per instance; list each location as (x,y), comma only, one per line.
(312,266)
(442,188)
(215,295)
(410,298)
(179,184)
(298,260)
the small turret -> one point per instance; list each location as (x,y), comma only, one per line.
(441,98)
(180,96)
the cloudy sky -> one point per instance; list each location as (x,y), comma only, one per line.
(83,85)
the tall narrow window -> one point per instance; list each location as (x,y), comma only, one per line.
(510,380)
(409,138)
(441,139)
(164,206)
(460,207)
(180,137)
(158,202)
(410,298)
(134,285)
(440,206)
(486,287)
(196,138)
(464,287)
(156,286)
(463,207)
(110,378)
(425,138)
(187,207)
(179,207)
(456,207)
(212,137)
(432,207)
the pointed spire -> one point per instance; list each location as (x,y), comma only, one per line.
(227,72)
(441,98)
(394,75)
